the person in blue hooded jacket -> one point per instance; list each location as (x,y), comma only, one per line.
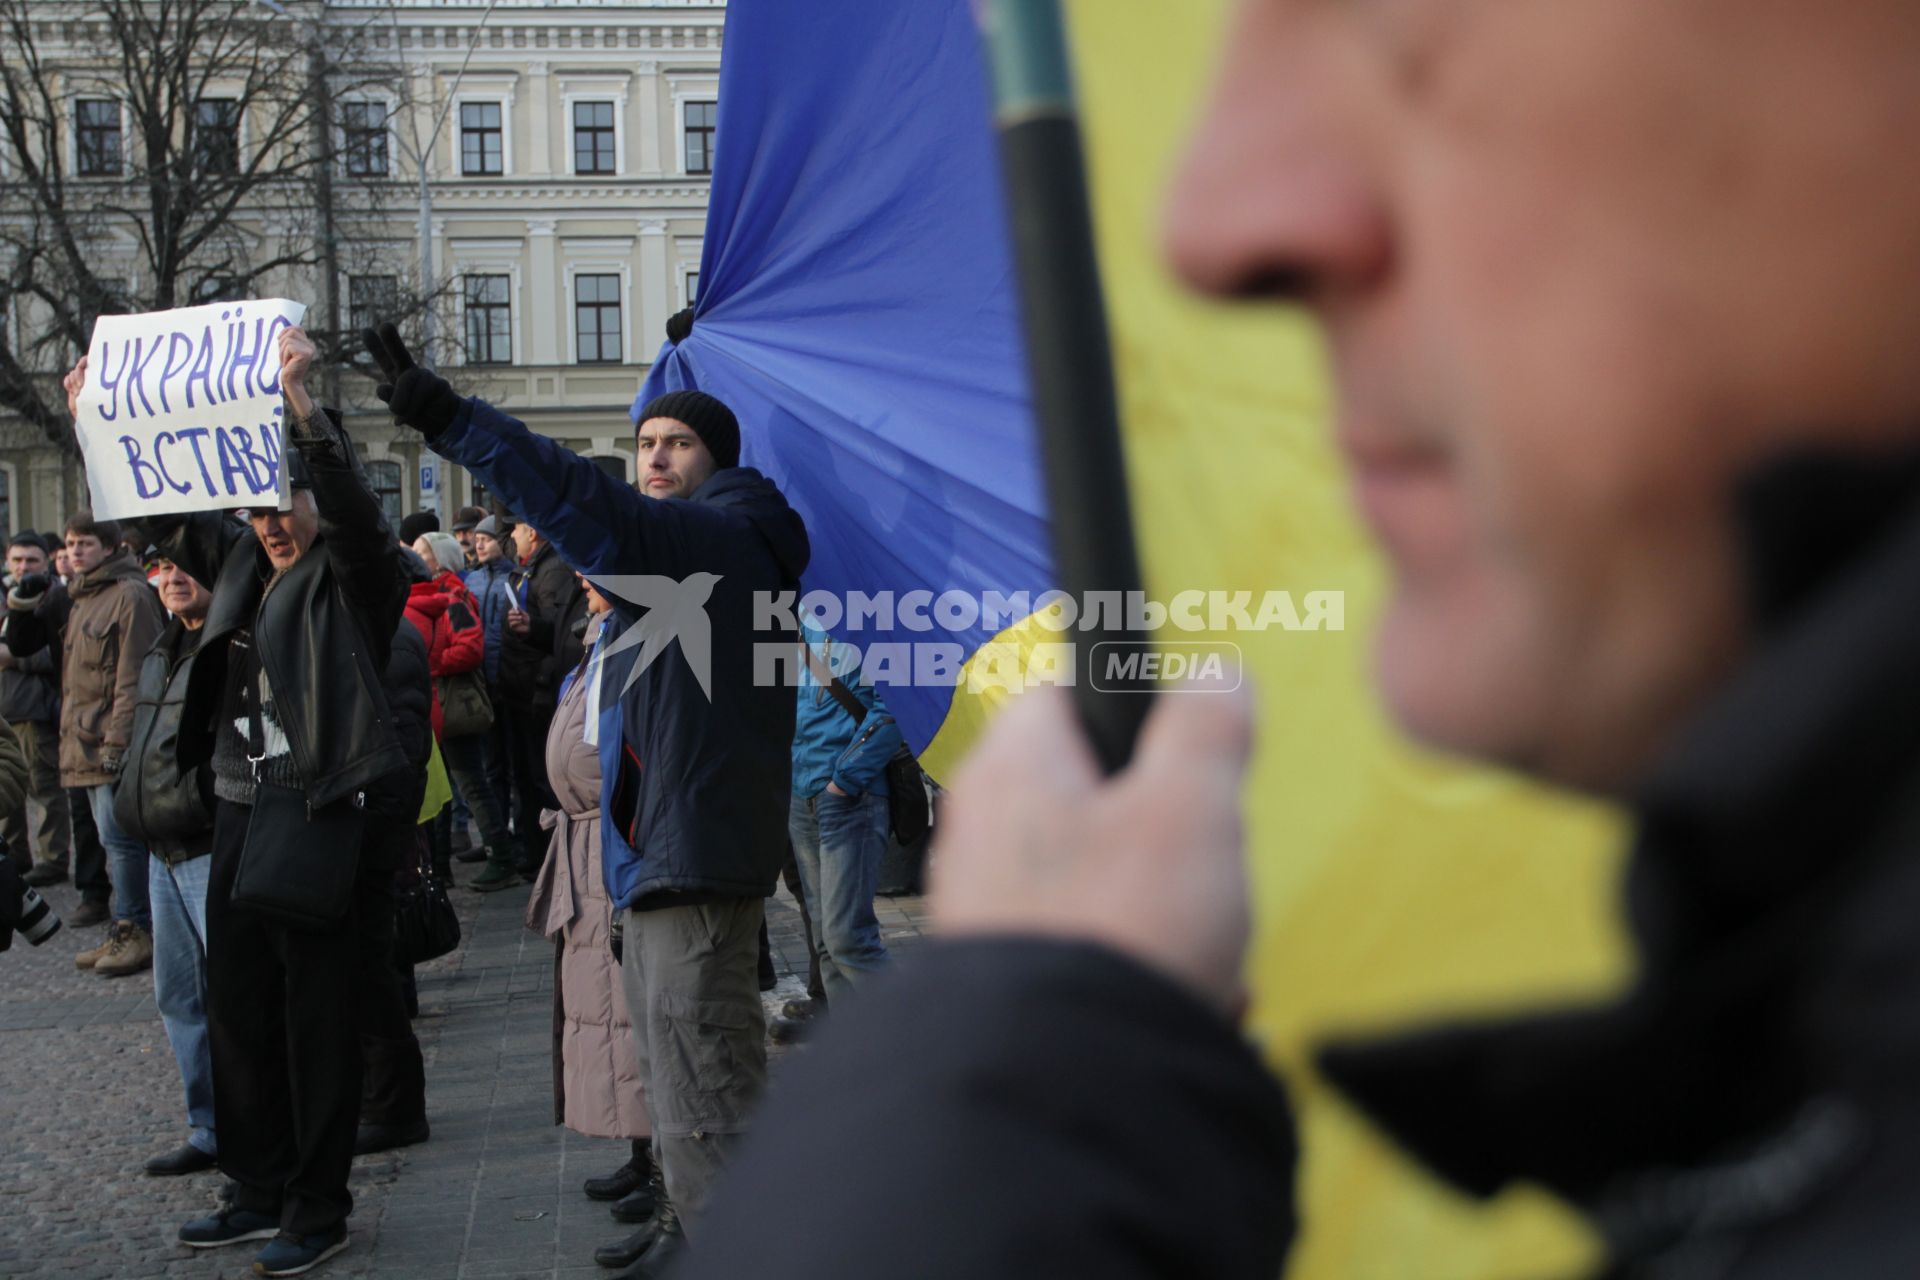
(839,820)
(695,751)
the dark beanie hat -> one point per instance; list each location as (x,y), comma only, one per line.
(418,523)
(711,420)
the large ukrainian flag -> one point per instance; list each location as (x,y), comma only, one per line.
(858,308)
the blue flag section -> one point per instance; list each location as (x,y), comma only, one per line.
(858,310)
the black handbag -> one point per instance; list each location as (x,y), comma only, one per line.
(298,863)
(908,812)
(907,809)
(298,867)
(425,925)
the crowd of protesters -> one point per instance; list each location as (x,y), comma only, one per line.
(271,723)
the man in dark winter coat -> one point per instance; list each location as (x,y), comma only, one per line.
(534,655)
(30,702)
(393,1093)
(34,636)
(287,698)
(695,752)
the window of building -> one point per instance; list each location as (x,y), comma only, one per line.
(371,299)
(216,135)
(363,126)
(96,131)
(489,321)
(613,464)
(693,286)
(384,478)
(480,138)
(596,319)
(593,139)
(700,120)
(481,498)
(6,501)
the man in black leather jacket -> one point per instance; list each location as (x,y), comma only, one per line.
(168,807)
(288,690)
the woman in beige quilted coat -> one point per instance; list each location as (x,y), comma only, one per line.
(596,1078)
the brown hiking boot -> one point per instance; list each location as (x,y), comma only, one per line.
(94,955)
(132,954)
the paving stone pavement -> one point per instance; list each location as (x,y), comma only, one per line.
(90,1092)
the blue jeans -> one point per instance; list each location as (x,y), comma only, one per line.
(838,842)
(179,897)
(126,860)
(461,814)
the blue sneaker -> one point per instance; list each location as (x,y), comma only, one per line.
(229,1226)
(291,1255)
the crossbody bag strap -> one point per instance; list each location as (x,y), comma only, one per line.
(841,694)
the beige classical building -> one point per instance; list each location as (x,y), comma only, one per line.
(567,150)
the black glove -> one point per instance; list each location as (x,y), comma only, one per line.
(617,937)
(419,398)
(28,592)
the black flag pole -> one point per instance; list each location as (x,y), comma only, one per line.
(1070,361)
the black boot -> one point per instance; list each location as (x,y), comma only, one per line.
(624,1181)
(629,1250)
(371,1138)
(669,1247)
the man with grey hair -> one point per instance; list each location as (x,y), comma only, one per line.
(287,699)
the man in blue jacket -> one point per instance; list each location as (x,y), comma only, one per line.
(488,582)
(842,740)
(695,751)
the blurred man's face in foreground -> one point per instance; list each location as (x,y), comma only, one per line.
(1581,264)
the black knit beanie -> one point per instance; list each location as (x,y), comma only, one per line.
(711,420)
(411,527)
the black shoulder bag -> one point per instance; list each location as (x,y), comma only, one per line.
(425,925)
(298,863)
(907,809)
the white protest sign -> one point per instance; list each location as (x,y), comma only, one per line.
(182,409)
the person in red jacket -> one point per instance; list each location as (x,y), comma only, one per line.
(449,621)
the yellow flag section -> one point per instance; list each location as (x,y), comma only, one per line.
(1390,888)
